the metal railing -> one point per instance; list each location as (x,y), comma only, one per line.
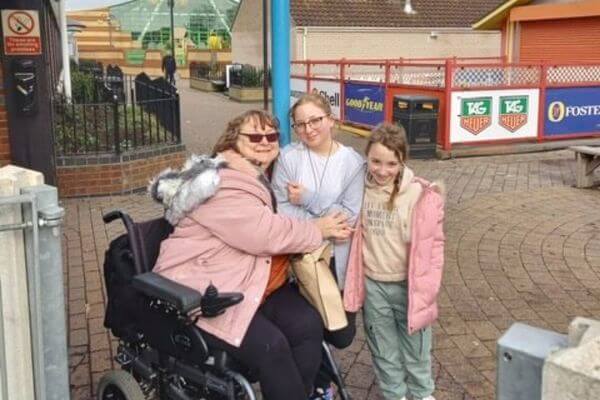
(122,114)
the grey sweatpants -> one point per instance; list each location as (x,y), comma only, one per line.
(402,361)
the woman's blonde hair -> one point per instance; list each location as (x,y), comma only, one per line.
(311,98)
(394,138)
(228,140)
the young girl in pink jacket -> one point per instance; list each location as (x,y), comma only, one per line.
(395,266)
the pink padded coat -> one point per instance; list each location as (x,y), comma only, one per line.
(425,261)
(228,240)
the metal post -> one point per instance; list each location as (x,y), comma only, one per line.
(3,366)
(280,50)
(265,56)
(109,20)
(116,134)
(65,50)
(45,275)
(171,6)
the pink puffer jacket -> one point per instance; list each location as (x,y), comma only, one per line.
(425,261)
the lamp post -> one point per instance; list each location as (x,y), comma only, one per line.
(171,6)
(109,22)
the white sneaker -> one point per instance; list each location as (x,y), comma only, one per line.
(427,398)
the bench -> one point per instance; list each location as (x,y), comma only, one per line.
(588,159)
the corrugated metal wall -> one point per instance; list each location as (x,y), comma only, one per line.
(560,40)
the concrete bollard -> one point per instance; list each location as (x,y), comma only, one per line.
(574,372)
(521,352)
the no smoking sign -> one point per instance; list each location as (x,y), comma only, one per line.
(21,32)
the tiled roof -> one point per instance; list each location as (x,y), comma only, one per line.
(389,13)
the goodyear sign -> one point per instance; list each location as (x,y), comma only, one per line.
(572,111)
(364,103)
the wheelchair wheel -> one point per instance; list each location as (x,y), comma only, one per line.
(119,385)
(245,391)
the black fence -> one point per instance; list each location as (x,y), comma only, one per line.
(121,114)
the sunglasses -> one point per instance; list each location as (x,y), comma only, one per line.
(258,137)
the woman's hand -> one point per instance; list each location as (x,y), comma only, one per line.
(239,163)
(295,191)
(334,226)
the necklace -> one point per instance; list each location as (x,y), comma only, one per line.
(319,181)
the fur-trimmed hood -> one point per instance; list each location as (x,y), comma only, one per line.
(181,191)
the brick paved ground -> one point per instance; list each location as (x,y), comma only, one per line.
(522,245)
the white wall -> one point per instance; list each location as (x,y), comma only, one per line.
(334,43)
(247,36)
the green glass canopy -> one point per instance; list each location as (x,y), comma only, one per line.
(149,21)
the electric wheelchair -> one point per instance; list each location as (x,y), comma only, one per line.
(161,351)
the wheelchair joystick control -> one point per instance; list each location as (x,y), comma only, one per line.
(214,303)
(211,292)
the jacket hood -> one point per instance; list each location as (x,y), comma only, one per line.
(436,186)
(181,191)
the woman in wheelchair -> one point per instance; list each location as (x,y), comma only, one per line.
(227,233)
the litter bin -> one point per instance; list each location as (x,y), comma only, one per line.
(418,115)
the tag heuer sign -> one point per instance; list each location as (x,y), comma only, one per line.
(513,112)
(476,114)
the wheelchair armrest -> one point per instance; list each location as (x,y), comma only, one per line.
(154,285)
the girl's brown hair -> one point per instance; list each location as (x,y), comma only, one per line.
(394,138)
(228,140)
(311,98)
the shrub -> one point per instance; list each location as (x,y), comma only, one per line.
(248,76)
(87,128)
(82,86)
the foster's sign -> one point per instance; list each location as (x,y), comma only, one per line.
(572,111)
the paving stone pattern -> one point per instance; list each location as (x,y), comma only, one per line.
(522,245)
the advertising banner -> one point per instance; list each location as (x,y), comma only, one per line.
(364,103)
(572,111)
(297,89)
(331,91)
(494,115)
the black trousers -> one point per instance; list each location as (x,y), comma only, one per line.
(170,77)
(282,345)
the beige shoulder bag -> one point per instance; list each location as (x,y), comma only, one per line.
(317,284)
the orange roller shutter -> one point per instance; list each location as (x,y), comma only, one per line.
(572,39)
